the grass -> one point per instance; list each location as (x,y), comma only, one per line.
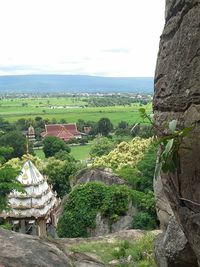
(79,152)
(12,110)
(141,251)
(39,153)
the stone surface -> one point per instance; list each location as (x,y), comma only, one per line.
(172,248)
(18,250)
(103,226)
(177,96)
(163,208)
(103,175)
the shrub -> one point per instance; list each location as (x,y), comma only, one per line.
(144,220)
(85,201)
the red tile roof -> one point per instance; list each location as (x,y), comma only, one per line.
(62,131)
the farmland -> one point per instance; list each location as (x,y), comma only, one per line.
(69,108)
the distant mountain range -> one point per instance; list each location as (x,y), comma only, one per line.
(74,84)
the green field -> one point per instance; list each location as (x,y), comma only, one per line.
(14,109)
(78,152)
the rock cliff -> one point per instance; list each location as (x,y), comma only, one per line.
(177,96)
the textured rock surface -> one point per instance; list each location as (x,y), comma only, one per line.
(18,250)
(177,96)
(173,249)
(105,176)
(103,226)
(163,208)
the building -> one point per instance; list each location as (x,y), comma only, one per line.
(34,210)
(31,134)
(87,129)
(62,131)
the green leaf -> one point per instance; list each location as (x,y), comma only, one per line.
(172,125)
(168,147)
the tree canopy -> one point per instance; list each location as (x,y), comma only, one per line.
(104,126)
(52,145)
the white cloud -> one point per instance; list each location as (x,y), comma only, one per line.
(114,37)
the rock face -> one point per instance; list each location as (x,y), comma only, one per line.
(19,250)
(177,96)
(23,250)
(163,208)
(172,248)
(103,226)
(103,175)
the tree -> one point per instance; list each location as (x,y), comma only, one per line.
(104,126)
(52,145)
(5,153)
(8,183)
(101,146)
(16,140)
(58,173)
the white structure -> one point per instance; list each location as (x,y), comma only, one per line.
(35,206)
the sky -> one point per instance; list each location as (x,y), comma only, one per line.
(117,38)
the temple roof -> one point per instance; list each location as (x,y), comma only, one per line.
(62,131)
(37,200)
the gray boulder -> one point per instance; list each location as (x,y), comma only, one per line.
(103,226)
(172,248)
(19,250)
(103,175)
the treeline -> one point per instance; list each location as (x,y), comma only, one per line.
(114,101)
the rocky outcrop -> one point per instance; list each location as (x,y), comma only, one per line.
(103,175)
(103,226)
(18,250)
(172,248)
(177,96)
(163,208)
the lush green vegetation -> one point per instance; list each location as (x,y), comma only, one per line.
(81,152)
(141,251)
(85,201)
(52,145)
(8,183)
(17,108)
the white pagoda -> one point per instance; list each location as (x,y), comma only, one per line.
(34,208)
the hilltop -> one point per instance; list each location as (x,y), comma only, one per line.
(73,84)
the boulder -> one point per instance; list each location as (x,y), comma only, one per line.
(103,175)
(19,250)
(172,248)
(103,226)
(163,208)
(177,96)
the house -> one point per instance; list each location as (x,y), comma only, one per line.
(62,131)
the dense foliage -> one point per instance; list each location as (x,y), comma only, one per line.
(141,176)
(126,153)
(8,183)
(85,201)
(104,126)
(58,173)
(52,145)
(101,146)
(16,140)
